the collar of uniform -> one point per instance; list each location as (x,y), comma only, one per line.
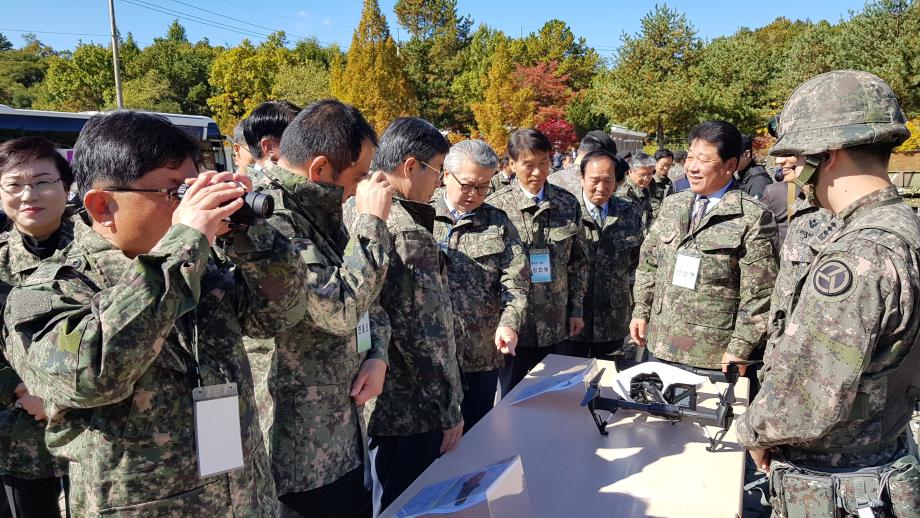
(324,196)
(529,196)
(20,258)
(882,195)
(107,260)
(421,213)
(586,205)
(851,213)
(729,204)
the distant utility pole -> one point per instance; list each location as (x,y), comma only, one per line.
(118,97)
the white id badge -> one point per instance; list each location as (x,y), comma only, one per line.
(540,271)
(364,333)
(686,270)
(217,429)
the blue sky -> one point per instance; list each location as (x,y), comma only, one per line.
(601,23)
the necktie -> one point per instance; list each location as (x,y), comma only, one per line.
(596,214)
(536,200)
(699,210)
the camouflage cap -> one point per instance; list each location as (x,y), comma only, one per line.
(836,110)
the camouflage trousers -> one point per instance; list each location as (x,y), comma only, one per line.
(892,490)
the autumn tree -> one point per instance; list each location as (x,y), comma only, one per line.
(506,104)
(559,131)
(433,56)
(372,78)
(651,86)
(550,90)
(555,41)
(243,77)
(302,83)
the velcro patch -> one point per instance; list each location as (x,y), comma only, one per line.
(833,278)
(25,304)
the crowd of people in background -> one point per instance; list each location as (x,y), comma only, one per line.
(401,284)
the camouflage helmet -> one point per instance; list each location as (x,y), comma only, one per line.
(836,110)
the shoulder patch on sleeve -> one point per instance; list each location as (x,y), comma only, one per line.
(25,304)
(833,278)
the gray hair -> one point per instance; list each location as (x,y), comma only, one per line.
(642,160)
(476,151)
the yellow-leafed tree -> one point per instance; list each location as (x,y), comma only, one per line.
(507,104)
(372,78)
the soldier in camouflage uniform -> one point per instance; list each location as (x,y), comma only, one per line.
(548,220)
(635,189)
(661,185)
(261,138)
(840,377)
(417,417)
(262,132)
(612,231)
(117,333)
(34,181)
(324,368)
(569,178)
(708,264)
(488,275)
(502,178)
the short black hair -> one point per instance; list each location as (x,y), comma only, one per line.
(723,135)
(405,137)
(24,150)
(747,143)
(618,172)
(327,128)
(269,120)
(680,156)
(120,147)
(663,153)
(528,139)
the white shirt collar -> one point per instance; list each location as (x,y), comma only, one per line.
(530,195)
(589,204)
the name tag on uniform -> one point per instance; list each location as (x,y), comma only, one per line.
(686,270)
(217,429)
(364,333)
(540,269)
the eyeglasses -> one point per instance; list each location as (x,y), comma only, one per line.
(467,188)
(172,195)
(16,189)
(439,171)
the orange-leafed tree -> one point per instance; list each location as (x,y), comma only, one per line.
(507,104)
(372,78)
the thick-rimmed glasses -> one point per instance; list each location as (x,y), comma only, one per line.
(468,188)
(41,186)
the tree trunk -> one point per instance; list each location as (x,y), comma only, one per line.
(659,135)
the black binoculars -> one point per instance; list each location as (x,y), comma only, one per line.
(256,205)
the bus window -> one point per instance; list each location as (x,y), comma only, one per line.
(213,156)
(10,127)
(63,131)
